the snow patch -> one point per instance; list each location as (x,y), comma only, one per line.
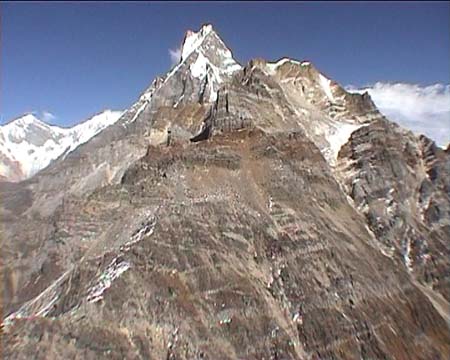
(104,282)
(118,266)
(178,101)
(199,67)
(146,230)
(407,255)
(272,67)
(326,87)
(46,309)
(83,132)
(212,92)
(138,112)
(173,71)
(202,67)
(337,136)
(146,96)
(270,204)
(233,67)
(37,306)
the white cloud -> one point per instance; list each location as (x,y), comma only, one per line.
(422,109)
(47,116)
(175,55)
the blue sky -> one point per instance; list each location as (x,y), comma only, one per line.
(76,59)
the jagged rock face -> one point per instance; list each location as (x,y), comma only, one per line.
(206,63)
(221,260)
(401,184)
(182,96)
(241,235)
(289,95)
(12,169)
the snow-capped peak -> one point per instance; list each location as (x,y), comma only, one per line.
(28,144)
(25,120)
(22,122)
(206,60)
(18,129)
(193,40)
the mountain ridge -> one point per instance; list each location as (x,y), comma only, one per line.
(21,146)
(282,217)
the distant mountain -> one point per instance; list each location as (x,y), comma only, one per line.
(28,144)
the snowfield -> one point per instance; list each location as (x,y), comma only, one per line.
(28,144)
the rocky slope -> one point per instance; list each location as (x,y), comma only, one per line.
(28,144)
(264,226)
(401,183)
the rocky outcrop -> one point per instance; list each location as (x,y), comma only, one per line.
(401,184)
(221,260)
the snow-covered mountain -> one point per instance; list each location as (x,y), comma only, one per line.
(28,144)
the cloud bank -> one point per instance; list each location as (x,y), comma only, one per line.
(422,109)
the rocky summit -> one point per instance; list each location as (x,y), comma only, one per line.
(254,211)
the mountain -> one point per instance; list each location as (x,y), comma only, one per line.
(28,144)
(233,211)
(428,116)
